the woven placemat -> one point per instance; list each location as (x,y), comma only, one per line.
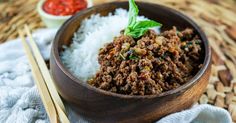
(216,18)
(14,14)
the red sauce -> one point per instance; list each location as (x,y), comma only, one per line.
(64,7)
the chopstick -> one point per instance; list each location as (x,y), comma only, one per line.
(47,78)
(45,72)
(42,88)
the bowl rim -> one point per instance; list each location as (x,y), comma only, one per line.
(47,15)
(207,57)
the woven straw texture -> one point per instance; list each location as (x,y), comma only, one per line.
(216,17)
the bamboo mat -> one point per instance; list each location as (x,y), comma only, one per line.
(216,17)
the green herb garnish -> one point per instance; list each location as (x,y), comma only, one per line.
(137,28)
(132,57)
(122,56)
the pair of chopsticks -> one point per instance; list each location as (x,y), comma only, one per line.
(47,90)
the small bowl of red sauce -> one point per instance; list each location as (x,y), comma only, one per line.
(55,12)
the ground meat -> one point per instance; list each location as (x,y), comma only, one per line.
(149,65)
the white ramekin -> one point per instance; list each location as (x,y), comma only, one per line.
(53,21)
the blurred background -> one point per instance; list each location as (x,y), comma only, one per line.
(216,17)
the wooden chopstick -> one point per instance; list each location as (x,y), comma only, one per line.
(47,78)
(42,88)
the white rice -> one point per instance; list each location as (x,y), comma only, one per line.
(81,57)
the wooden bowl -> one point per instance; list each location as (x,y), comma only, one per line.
(101,106)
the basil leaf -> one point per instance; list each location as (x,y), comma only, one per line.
(136,33)
(133,12)
(146,24)
(141,27)
(137,28)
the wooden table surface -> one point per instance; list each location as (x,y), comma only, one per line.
(216,17)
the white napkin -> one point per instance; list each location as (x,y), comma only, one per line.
(21,103)
(199,114)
